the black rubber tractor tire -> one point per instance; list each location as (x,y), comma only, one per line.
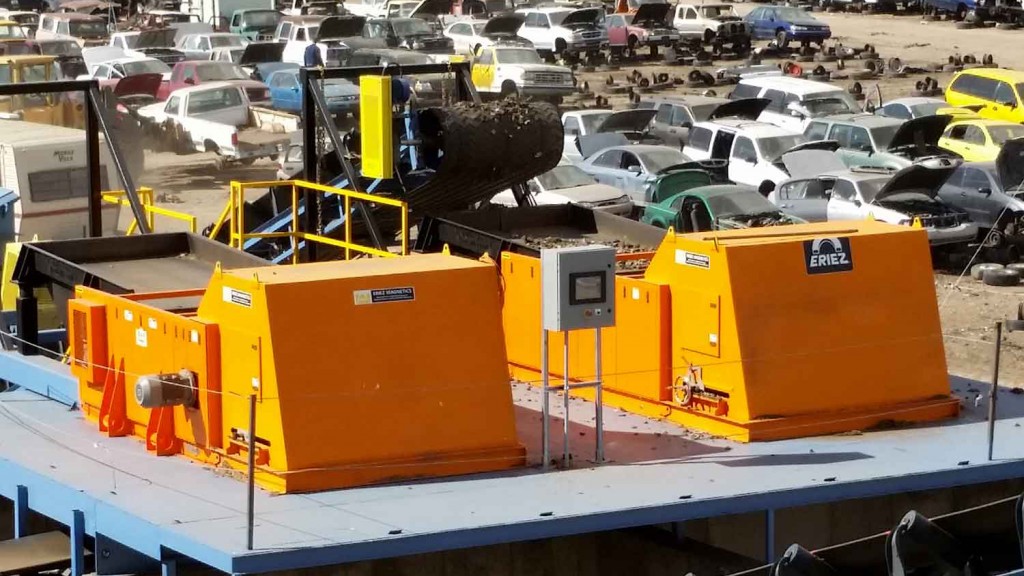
(1001,277)
(978,270)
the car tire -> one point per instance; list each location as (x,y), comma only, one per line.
(1018,266)
(509,90)
(781,39)
(1001,277)
(978,270)
(709,36)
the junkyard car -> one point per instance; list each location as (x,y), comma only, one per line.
(720,207)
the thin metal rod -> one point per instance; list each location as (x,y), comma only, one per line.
(97,119)
(565,398)
(545,401)
(20,511)
(993,395)
(92,160)
(769,536)
(251,508)
(598,400)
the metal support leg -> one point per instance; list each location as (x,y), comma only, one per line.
(993,394)
(565,398)
(251,512)
(77,543)
(545,402)
(28,321)
(21,511)
(598,399)
(769,536)
(169,567)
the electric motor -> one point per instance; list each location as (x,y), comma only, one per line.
(158,390)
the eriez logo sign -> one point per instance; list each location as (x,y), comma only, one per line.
(827,255)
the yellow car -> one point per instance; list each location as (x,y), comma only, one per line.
(978,139)
(998,92)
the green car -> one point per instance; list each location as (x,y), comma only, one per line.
(718,207)
(254,23)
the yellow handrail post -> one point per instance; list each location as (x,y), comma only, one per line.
(348,226)
(233,222)
(240,208)
(405,229)
(295,223)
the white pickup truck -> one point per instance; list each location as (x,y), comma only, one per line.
(212,117)
(336,36)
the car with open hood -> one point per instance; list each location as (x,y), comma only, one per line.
(469,36)
(335,36)
(648,27)
(871,140)
(564,31)
(505,71)
(912,107)
(111,72)
(256,53)
(633,168)
(85,29)
(992,193)
(427,89)
(410,34)
(979,139)
(583,123)
(677,114)
(200,46)
(712,22)
(794,101)
(715,207)
(823,189)
(753,149)
(565,184)
(156,43)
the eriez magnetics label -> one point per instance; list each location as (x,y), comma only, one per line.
(827,255)
(384,295)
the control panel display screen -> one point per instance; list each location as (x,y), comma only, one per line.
(586,288)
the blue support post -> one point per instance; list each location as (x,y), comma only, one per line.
(169,567)
(769,536)
(77,543)
(20,511)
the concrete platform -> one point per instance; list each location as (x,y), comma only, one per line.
(657,473)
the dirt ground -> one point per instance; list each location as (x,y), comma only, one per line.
(968,308)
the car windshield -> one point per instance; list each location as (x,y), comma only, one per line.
(145,67)
(312,32)
(927,108)
(557,17)
(716,11)
(790,13)
(702,112)
(130,40)
(742,202)
(1001,134)
(214,71)
(68,48)
(883,135)
(87,29)
(870,188)
(561,177)
(658,160)
(261,18)
(830,103)
(479,28)
(518,57)
(410,27)
(592,121)
(11,31)
(34,73)
(225,41)
(775,147)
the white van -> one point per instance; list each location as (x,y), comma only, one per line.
(46,167)
(794,101)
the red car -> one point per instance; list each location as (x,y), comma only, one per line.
(648,26)
(194,73)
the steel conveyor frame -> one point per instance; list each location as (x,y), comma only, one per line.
(314,109)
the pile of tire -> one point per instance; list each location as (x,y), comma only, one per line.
(997,274)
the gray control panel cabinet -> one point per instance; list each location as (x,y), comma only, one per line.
(578,287)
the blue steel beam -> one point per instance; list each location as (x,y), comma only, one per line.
(20,511)
(40,375)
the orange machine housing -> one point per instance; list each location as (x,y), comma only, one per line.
(731,333)
(364,371)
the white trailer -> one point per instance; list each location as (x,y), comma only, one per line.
(46,167)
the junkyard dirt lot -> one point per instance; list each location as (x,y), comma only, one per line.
(968,308)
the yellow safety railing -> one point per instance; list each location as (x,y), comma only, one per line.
(233,215)
(146,199)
